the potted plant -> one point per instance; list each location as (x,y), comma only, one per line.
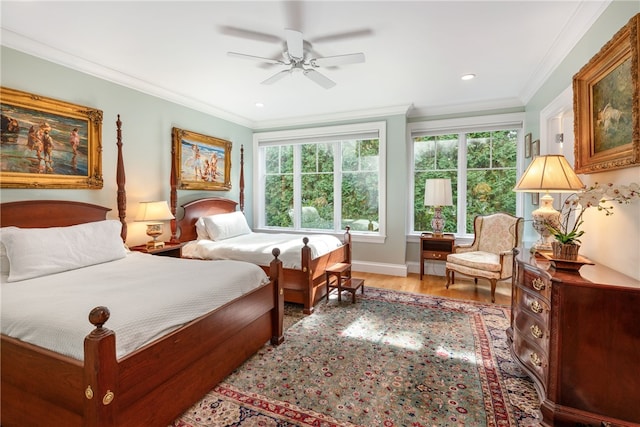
(566,230)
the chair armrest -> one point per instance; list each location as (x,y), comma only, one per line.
(463,247)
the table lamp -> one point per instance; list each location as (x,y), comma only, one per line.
(549,173)
(437,193)
(153,213)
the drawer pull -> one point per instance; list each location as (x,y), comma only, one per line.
(536,307)
(536,331)
(538,284)
(535,359)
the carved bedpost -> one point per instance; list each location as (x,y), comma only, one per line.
(100,372)
(347,241)
(277,317)
(242,178)
(307,274)
(174,190)
(120,180)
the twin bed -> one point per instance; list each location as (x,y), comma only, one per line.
(229,237)
(163,353)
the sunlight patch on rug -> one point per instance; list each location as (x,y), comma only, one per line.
(391,359)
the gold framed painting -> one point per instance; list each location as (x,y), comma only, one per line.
(607,105)
(47,143)
(201,162)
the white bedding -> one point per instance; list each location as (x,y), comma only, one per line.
(256,248)
(148,296)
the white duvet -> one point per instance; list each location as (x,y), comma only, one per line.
(256,248)
(148,296)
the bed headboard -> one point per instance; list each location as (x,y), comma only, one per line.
(63,213)
(50,213)
(198,208)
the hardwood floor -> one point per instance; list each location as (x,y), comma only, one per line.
(463,288)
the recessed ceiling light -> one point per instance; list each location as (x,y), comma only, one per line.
(259,104)
(468,77)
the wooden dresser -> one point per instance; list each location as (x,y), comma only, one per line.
(577,335)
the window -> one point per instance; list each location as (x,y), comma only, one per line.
(480,156)
(322,179)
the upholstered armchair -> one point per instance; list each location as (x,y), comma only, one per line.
(490,256)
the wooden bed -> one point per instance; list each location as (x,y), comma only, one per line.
(149,387)
(303,286)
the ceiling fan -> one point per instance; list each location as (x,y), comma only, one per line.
(297,57)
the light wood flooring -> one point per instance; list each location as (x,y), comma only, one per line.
(463,289)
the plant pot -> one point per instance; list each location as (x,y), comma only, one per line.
(565,250)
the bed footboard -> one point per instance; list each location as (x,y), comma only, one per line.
(151,386)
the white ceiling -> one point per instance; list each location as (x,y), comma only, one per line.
(416,52)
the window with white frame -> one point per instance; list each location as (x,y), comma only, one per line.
(322,179)
(478,155)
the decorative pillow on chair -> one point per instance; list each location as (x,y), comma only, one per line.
(35,252)
(225,226)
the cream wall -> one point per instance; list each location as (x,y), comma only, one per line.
(146,130)
(612,241)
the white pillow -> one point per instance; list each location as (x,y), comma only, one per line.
(201,230)
(224,226)
(35,252)
(4,259)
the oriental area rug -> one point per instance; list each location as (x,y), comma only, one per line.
(390,359)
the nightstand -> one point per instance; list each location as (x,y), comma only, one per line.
(170,249)
(435,248)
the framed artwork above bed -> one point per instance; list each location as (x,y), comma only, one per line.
(201,162)
(47,143)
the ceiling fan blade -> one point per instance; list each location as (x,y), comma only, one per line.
(342,36)
(255,58)
(294,43)
(278,76)
(331,61)
(319,78)
(248,34)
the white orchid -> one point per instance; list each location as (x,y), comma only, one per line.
(600,196)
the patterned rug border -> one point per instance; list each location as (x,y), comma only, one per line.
(497,397)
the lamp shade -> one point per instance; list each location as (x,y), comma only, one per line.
(549,173)
(154,211)
(437,192)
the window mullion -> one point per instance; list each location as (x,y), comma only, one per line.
(297,186)
(337,186)
(462,184)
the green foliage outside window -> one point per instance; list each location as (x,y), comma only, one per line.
(490,170)
(357,176)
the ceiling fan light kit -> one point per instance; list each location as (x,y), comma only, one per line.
(296,56)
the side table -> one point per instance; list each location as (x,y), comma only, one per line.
(170,249)
(435,248)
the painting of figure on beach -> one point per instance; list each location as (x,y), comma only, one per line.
(203,162)
(44,148)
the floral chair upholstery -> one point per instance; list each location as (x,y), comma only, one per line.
(490,256)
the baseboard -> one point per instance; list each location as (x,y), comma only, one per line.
(432,268)
(379,268)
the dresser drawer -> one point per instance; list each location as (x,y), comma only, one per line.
(442,256)
(532,329)
(537,283)
(534,359)
(532,304)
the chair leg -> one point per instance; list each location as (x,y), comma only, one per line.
(494,282)
(449,275)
